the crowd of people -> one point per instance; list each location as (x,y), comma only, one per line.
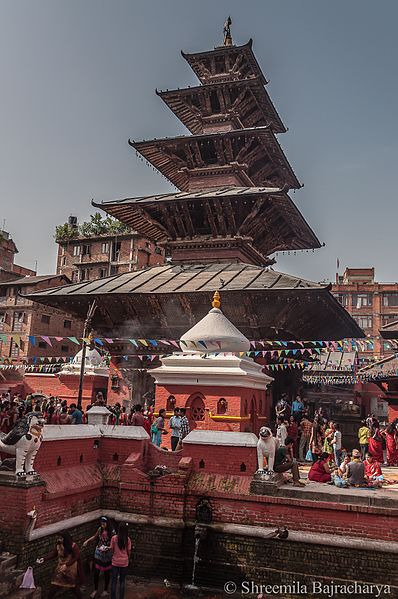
(57,411)
(111,556)
(319,441)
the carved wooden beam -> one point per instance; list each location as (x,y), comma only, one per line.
(230,215)
(220,217)
(219,147)
(197,153)
(253,214)
(164,209)
(210,216)
(187,216)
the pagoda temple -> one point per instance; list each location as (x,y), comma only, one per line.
(230,214)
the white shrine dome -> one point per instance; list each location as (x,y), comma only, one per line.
(214,333)
(93,357)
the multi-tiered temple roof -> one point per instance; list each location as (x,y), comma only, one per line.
(232,172)
(220,230)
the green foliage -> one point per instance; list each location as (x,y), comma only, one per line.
(96,226)
(65,232)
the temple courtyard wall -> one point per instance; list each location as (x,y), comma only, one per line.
(88,471)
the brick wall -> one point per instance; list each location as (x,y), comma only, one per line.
(251,405)
(133,253)
(65,386)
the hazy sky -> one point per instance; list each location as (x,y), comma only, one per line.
(78,79)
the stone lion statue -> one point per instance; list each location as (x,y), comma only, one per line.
(24,442)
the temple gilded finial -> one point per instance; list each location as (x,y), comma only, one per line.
(216,303)
(227,32)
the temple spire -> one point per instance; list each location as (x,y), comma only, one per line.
(227,32)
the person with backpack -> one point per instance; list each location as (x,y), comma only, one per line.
(102,554)
(121,549)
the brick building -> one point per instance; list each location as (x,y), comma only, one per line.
(21,318)
(8,269)
(90,257)
(371,304)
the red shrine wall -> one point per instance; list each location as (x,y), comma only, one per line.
(81,475)
(250,407)
(66,386)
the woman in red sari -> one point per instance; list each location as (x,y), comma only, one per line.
(391,434)
(375,444)
(320,471)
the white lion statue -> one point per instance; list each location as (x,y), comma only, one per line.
(266,448)
(24,442)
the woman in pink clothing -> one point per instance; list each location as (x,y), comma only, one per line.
(121,549)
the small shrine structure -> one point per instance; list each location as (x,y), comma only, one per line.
(212,377)
(65,383)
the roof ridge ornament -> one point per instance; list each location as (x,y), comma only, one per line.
(227,32)
(216,303)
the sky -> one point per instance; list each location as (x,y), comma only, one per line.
(78,78)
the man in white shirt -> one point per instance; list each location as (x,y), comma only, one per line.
(336,442)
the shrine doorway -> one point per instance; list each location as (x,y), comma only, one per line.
(196,409)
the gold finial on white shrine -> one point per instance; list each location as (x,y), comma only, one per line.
(216,303)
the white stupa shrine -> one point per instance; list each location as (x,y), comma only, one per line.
(221,387)
(94,364)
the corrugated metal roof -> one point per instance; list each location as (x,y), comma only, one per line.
(187,279)
(228,191)
(31,280)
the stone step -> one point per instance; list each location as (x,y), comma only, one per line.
(7,561)
(10,581)
(25,594)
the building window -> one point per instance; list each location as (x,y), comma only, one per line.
(387,318)
(75,276)
(63,260)
(65,348)
(77,250)
(45,318)
(67,324)
(42,345)
(22,345)
(105,247)
(390,299)
(116,246)
(365,322)
(18,321)
(86,249)
(2,320)
(113,270)
(361,300)
(85,274)
(342,298)
(103,272)
(14,350)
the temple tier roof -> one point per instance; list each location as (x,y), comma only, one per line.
(238,104)
(253,156)
(390,330)
(266,217)
(225,63)
(164,301)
